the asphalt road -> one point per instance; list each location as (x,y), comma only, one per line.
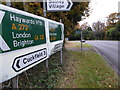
(109,50)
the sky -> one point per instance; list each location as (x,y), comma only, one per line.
(100,10)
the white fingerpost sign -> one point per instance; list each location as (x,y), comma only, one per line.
(59,5)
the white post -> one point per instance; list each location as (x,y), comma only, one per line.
(44,8)
(47,63)
(61,60)
(15,82)
(81,41)
(25,5)
(0,86)
(44,11)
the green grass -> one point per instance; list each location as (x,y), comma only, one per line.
(95,73)
(77,45)
(85,45)
(87,70)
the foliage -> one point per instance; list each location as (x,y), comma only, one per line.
(113,19)
(17,5)
(111,31)
(100,30)
(87,34)
(99,35)
(75,36)
(117,27)
(40,77)
(112,22)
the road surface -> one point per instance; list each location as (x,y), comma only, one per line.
(109,50)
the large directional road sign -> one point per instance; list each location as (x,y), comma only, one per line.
(59,5)
(26,40)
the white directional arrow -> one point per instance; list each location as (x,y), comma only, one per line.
(1,16)
(59,5)
(3,44)
(69,4)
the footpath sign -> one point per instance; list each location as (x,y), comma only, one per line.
(59,5)
(26,40)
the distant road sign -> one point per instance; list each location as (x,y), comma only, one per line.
(59,5)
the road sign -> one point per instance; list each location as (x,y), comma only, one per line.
(25,41)
(22,31)
(26,60)
(59,5)
(55,32)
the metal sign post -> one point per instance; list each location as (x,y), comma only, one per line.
(15,82)
(44,8)
(0,86)
(15,79)
(81,40)
(61,60)
(44,12)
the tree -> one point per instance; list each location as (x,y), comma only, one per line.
(98,28)
(117,31)
(112,20)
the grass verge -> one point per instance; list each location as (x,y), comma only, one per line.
(87,70)
(73,44)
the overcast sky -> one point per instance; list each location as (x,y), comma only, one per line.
(101,9)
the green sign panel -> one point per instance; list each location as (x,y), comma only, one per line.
(21,31)
(55,31)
